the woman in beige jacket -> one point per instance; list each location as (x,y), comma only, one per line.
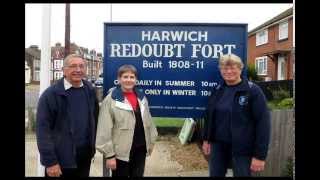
(125,133)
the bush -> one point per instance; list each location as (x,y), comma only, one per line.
(272,105)
(288,170)
(280,94)
(286,103)
(283,89)
(252,73)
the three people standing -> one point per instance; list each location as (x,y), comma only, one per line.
(237,124)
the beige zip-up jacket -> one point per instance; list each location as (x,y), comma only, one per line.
(116,125)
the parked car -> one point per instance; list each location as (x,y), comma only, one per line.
(99,82)
(91,80)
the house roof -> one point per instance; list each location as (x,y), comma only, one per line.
(283,15)
(57,51)
(33,51)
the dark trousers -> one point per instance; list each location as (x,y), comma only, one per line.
(221,159)
(83,161)
(135,166)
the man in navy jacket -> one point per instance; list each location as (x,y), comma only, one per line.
(237,123)
(66,122)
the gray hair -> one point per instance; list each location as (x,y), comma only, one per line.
(230,59)
(127,68)
(70,56)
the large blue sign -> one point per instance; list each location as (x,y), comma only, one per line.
(177,63)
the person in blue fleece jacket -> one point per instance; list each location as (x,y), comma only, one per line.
(66,124)
(237,123)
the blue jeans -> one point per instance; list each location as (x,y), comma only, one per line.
(221,159)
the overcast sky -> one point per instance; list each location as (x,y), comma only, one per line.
(87,19)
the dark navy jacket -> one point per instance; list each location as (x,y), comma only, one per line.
(250,121)
(53,127)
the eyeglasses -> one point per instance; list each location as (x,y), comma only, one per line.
(226,68)
(74,66)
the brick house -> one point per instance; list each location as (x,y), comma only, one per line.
(94,64)
(93,59)
(57,56)
(270,48)
(32,62)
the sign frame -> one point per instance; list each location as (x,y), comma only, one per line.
(169,112)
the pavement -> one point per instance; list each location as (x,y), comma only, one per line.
(31,97)
(158,164)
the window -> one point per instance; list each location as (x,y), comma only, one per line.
(58,63)
(283,30)
(61,74)
(61,63)
(94,66)
(261,65)
(36,65)
(58,75)
(262,37)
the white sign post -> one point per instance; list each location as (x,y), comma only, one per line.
(45,62)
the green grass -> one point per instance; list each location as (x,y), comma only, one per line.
(168,122)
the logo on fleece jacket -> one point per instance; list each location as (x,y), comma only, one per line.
(243,100)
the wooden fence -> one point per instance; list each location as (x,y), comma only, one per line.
(281,146)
